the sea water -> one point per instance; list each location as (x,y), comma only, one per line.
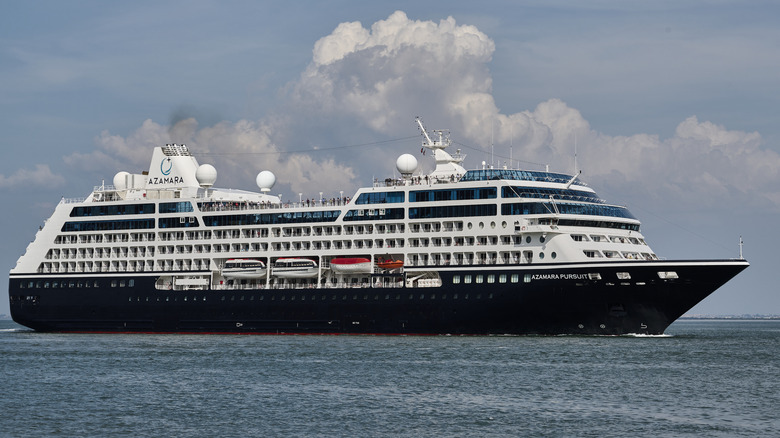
(704,378)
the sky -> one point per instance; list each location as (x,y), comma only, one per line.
(670,107)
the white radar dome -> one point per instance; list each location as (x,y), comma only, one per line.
(406,164)
(120,180)
(265,180)
(206,175)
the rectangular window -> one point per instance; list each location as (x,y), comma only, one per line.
(456,279)
(491,278)
(502,278)
(467,279)
(479,279)
(515,278)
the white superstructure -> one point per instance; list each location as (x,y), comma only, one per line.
(172,223)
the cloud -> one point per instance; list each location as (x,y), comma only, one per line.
(239,150)
(40,176)
(382,75)
(375,80)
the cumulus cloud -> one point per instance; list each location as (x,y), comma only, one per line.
(239,150)
(40,176)
(382,75)
(378,78)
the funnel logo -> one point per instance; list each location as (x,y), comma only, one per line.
(165,168)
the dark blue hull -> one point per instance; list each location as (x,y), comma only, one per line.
(593,299)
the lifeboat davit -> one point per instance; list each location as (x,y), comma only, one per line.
(351,265)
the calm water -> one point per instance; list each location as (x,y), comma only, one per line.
(708,378)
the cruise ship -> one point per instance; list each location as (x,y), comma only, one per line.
(454,251)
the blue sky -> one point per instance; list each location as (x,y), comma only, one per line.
(673,105)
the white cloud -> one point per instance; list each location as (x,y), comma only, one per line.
(239,151)
(39,176)
(377,79)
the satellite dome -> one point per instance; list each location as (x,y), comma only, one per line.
(406,164)
(265,180)
(206,175)
(120,180)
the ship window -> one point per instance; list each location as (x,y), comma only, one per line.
(527,239)
(527,278)
(131,283)
(479,279)
(491,279)
(515,278)
(623,275)
(667,275)
(467,279)
(502,278)
(456,279)
(113,283)
(553,254)
(541,255)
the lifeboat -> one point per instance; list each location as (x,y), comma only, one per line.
(351,265)
(244,269)
(390,264)
(294,268)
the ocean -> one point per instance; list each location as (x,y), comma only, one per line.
(714,378)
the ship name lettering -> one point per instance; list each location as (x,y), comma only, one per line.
(559,277)
(167,180)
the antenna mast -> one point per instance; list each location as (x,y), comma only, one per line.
(740,248)
(575,152)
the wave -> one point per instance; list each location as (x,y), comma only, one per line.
(642,335)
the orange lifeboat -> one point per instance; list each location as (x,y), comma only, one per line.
(390,264)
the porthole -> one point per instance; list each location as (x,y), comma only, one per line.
(481,225)
(527,239)
(541,255)
(503,224)
(541,239)
(470,225)
(553,254)
(492,225)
